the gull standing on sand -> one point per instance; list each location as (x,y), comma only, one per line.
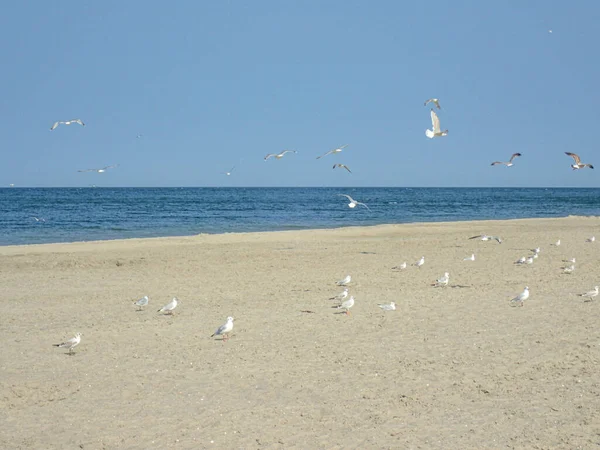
(435,127)
(347,304)
(536,250)
(557,243)
(342,166)
(141,302)
(578,164)
(470,258)
(509,163)
(572,260)
(569,269)
(529,260)
(224,329)
(169,307)
(592,239)
(345,281)
(279,155)
(442,281)
(401,266)
(590,295)
(435,101)
(420,262)
(521,260)
(485,237)
(353,202)
(521,297)
(102,170)
(341,296)
(334,151)
(67,122)
(388,306)
(71,343)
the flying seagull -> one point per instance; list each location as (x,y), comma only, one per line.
(224,329)
(485,237)
(169,307)
(342,166)
(102,170)
(230,171)
(578,164)
(510,161)
(435,129)
(67,122)
(335,150)
(353,202)
(435,101)
(71,343)
(279,155)
(39,219)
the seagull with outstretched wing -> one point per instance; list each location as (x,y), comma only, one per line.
(435,127)
(578,164)
(507,163)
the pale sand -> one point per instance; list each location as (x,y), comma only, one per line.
(452,368)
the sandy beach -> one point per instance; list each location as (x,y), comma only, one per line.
(452,368)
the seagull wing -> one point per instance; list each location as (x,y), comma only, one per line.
(346,167)
(574,156)
(53,127)
(495,163)
(514,155)
(79,121)
(360,203)
(110,167)
(435,122)
(477,237)
(348,197)
(329,152)
(269,156)
(87,170)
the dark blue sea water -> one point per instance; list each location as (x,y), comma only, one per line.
(82,214)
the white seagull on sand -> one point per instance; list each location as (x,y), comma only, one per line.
(442,281)
(224,329)
(590,295)
(470,258)
(507,163)
(169,307)
(353,202)
(342,166)
(435,129)
(529,260)
(578,164)
(279,155)
(420,262)
(557,243)
(347,304)
(71,343)
(335,150)
(569,269)
(141,302)
(521,297)
(435,101)
(521,260)
(592,239)
(401,266)
(67,122)
(388,306)
(102,170)
(485,237)
(345,281)
(341,296)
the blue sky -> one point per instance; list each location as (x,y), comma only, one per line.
(210,85)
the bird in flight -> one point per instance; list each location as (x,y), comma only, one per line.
(230,171)
(436,130)
(39,219)
(510,161)
(67,122)
(485,237)
(353,202)
(279,155)
(342,166)
(435,101)
(102,170)
(335,150)
(578,164)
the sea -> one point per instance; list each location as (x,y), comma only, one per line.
(50,215)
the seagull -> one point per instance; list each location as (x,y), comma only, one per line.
(102,170)
(535,256)
(169,307)
(224,329)
(11,185)
(485,237)
(388,306)
(347,304)
(470,258)
(510,161)
(67,122)
(529,260)
(141,302)
(592,239)
(71,343)
(536,250)
(345,281)
(557,243)
(353,202)
(230,171)
(420,262)
(578,164)
(342,166)
(39,219)
(572,260)
(139,136)
(521,297)
(591,294)
(435,129)
(279,155)
(335,150)
(442,281)
(521,260)
(569,269)
(401,266)
(342,295)
(435,101)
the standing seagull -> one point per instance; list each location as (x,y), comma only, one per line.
(71,343)
(347,304)
(442,281)
(342,166)
(224,329)
(401,266)
(521,297)
(590,295)
(470,258)
(335,150)
(141,302)
(67,122)
(342,295)
(102,170)
(435,129)
(345,281)
(169,307)
(435,101)
(388,306)
(592,239)
(578,164)
(510,161)
(279,155)
(353,202)
(420,262)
